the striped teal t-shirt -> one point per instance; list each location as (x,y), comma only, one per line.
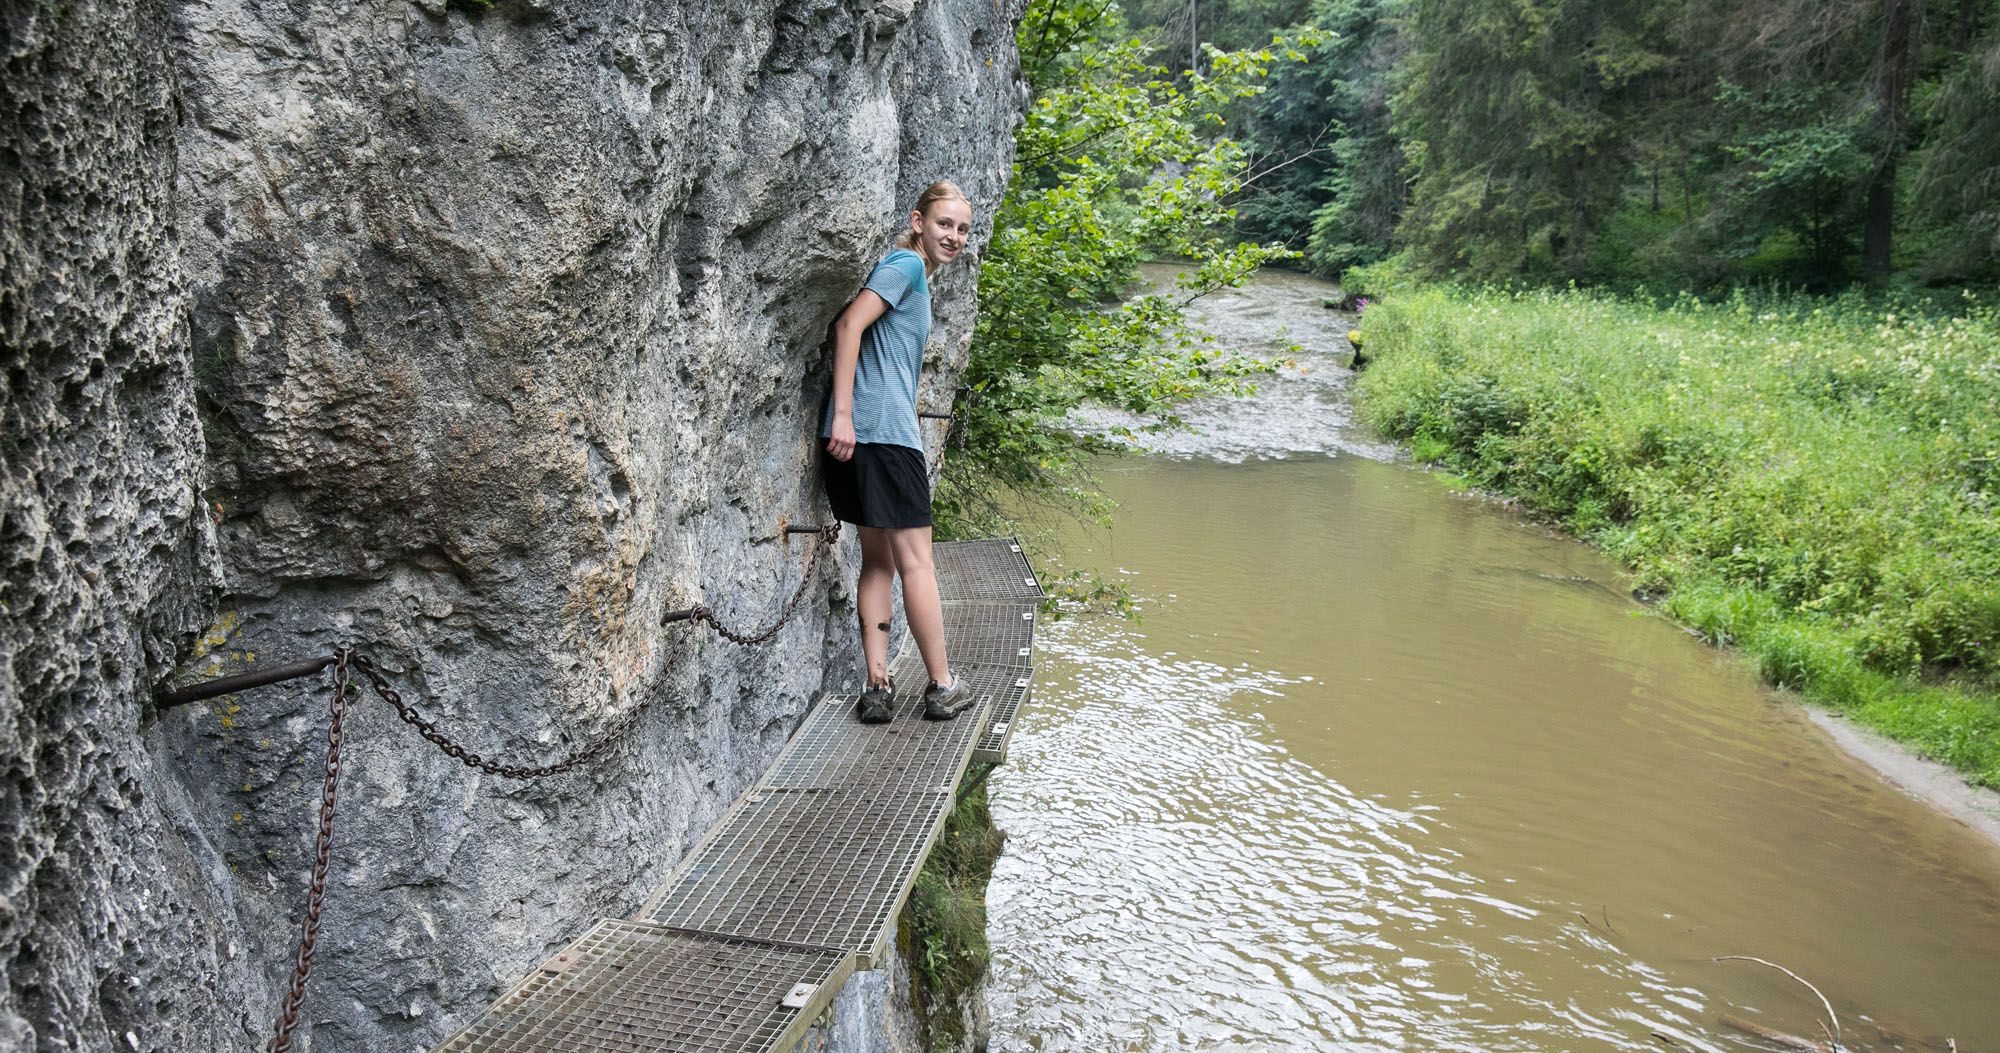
(892,356)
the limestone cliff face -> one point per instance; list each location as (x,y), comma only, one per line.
(477,337)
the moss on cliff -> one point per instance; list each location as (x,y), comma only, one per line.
(943,929)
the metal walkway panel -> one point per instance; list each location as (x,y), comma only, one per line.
(1003,690)
(631,986)
(998,692)
(800,882)
(832,750)
(828,868)
(972,571)
(989,633)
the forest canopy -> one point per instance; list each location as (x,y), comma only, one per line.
(1686,144)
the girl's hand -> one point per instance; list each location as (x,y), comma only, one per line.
(841,443)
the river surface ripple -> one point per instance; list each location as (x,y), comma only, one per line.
(1387,767)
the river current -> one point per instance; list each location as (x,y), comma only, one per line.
(1386,766)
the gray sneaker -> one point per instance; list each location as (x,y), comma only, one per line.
(942,703)
(876,706)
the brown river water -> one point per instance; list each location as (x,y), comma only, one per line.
(1391,767)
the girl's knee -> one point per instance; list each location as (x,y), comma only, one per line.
(912,549)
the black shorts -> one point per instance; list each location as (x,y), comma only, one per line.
(883,485)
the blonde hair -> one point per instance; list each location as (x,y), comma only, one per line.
(942,190)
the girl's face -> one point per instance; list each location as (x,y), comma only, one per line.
(943,232)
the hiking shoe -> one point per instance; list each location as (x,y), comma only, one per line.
(944,703)
(875,705)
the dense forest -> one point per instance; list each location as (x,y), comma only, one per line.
(1682,144)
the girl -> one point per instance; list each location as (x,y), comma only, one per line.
(874,464)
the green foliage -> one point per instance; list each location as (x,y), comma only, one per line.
(1800,162)
(1079,590)
(1383,277)
(1326,174)
(1639,143)
(943,926)
(1513,114)
(1115,163)
(1322,169)
(1816,481)
(1234,26)
(1957,187)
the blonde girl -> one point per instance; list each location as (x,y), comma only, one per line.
(874,467)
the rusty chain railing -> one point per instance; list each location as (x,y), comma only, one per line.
(346,657)
(827,536)
(302,962)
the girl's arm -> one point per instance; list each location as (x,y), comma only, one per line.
(847,331)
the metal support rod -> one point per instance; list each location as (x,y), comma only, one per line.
(243,681)
(966,789)
(957,393)
(679,616)
(805,530)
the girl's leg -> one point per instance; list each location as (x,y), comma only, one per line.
(912,548)
(872,592)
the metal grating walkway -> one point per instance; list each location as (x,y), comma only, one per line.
(991,599)
(822,867)
(627,986)
(800,882)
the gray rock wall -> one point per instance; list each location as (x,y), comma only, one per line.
(477,337)
(103,912)
(872,1014)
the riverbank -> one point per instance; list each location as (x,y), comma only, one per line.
(1937,785)
(1813,482)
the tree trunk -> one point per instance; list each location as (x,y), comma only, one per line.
(1968,24)
(1879,227)
(1892,80)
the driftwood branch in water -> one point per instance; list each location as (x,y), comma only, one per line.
(1835,1036)
(1805,1045)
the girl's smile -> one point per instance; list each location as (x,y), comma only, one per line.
(943,233)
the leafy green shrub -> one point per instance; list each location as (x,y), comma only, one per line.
(1116,161)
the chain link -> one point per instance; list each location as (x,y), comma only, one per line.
(590,751)
(302,963)
(345,657)
(827,536)
(429,730)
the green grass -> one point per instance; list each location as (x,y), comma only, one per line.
(943,926)
(1815,481)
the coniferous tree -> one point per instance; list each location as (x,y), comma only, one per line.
(1363,189)
(1672,143)
(1297,128)
(1957,183)
(1512,115)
